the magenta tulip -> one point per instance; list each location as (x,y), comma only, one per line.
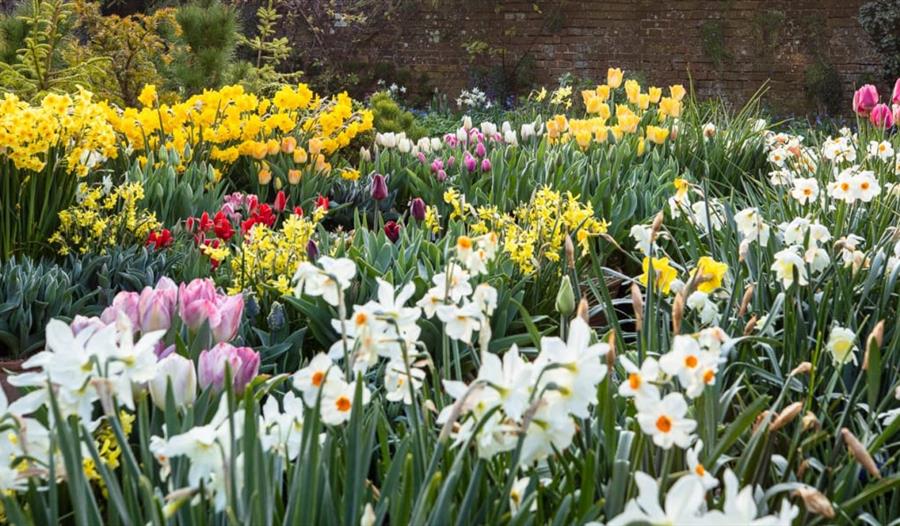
(441,176)
(485,165)
(379,189)
(895,96)
(480,150)
(417,209)
(865,99)
(881,116)
(469,162)
(243,361)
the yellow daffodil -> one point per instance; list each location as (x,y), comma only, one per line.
(663,273)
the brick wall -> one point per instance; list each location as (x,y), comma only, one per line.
(729,48)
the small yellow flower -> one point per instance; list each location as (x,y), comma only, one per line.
(664,274)
(711,274)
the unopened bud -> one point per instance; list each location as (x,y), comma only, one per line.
(760,418)
(570,253)
(565,298)
(815,501)
(786,416)
(745,301)
(875,340)
(803,368)
(810,421)
(611,354)
(801,469)
(584,311)
(860,453)
(656,226)
(637,300)
(677,313)
(748,329)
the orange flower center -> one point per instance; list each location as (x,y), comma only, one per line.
(690,361)
(709,376)
(464,243)
(360,318)
(864,185)
(343,404)
(664,424)
(807,191)
(634,381)
(317,378)
(700,470)
(845,186)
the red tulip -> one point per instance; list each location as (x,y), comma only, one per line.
(392,230)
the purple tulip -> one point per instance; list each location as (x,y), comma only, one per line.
(81,323)
(231,308)
(895,96)
(469,162)
(451,161)
(126,302)
(378,188)
(157,305)
(865,99)
(485,165)
(480,151)
(441,176)
(312,250)
(243,361)
(881,116)
(451,140)
(417,209)
(437,164)
(422,158)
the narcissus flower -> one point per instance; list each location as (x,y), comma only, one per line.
(665,420)
(710,274)
(842,345)
(663,273)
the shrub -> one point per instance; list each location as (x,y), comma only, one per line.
(881,21)
(389,117)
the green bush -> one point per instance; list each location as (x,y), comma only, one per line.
(390,117)
(209,32)
(881,21)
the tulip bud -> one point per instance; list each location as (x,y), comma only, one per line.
(441,176)
(815,501)
(157,305)
(786,416)
(243,361)
(180,372)
(379,188)
(865,99)
(417,209)
(312,251)
(485,165)
(280,202)
(565,298)
(882,116)
(860,453)
(480,150)
(469,162)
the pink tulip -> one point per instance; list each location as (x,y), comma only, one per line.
(157,305)
(865,99)
(480,151)
(881,116)
(126,302)
(441,176)
(231,308)
(895,96)
(451,161)
(436,165)
(485,165)
(469,162)
(422,158)
(191,297)
(81,323)
(896,109)
(243,361)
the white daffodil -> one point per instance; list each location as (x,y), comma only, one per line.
(314,376)
(842,345)
(329,280)
(692,456)
(511,379)
(665,421)
(639,382)
(572,369)
(683,505)
(683,361)
(337,401)
(397,381)
(787,262)
(460,322)
(805,190)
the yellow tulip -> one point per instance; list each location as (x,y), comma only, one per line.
(643,101)
(641,147)
(288,144)
(264,176)
(614,77)
(655,94)
(294,176)
(657,135)
(632,90)
(299,156)
(677,92)
(593,104)
(603,92)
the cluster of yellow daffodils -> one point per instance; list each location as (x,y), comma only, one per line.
(104,218)
(535,230)
(72,123)
(267,258)
(617,118)
(234,123)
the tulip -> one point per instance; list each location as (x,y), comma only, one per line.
(294,176)
(156,306)
(180,372)
(404,145)
(436,144)
(243,362)
(280,201)
(896,110)
(895,95)
(231,308)
(467,123)
(864,100)
(480,150)
(378,188)
(451,161)
(565,298)
(312,250)
(81,323)
(881,116)
(437,164)
(126,302)
(392,231)
(485,165)
(417,209)
(441,176)
(190,296)
(421,157)
(469,162)
(365,154)
(322,202)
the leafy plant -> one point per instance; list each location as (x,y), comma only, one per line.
(880,19)
(389,117)
(208,35)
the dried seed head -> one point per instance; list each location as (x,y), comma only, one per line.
(786,416)
(876,337)
(637,300)
(860,453)
(803,368)
(677,313)
(815,501)
(745,301)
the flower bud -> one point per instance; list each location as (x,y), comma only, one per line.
(485,165)
(392,231)
(469,162)
(584,311)
(379,188)
(860,453)
(810,421)
(637,300)
(180,372)
(417,209)
(480,150)
(786,416)
(815,501)
(312,251)
(280,201)
(565,297)
(570,253)
(803,368)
